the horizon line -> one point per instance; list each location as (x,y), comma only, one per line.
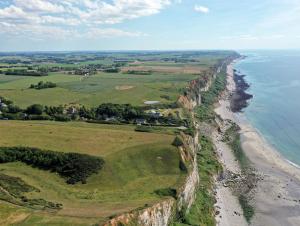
(145,50)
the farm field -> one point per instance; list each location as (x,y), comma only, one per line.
(166,77)
(131,174)
(95,89)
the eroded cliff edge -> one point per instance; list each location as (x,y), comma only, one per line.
(164,212)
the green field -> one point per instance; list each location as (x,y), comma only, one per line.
(170,74)
(95,89)
(131,174)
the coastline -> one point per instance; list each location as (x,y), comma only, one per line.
(276,197)
(230,211)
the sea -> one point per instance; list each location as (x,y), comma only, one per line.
(274,78)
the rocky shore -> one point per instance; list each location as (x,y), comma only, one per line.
(239,99)
(276,194)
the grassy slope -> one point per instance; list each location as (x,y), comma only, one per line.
(131,173)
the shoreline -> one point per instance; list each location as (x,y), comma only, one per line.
(230,211)
(270,148)
(276,197)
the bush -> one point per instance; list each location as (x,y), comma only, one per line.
(10,116)
(134,72)
(5,101)
(248,210)
(166,192)
(177,142)
(112,70)
(39,117)
(205,113)
(182,166)
(15,190)
(147,129)
(13,108)
(62,118)
(43,85)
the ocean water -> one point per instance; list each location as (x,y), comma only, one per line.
(274,78)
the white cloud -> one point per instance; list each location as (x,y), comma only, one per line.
(40,32)
(95,33)
(88,11)
(43,16)
(39,6)
(201,9)
(36,31)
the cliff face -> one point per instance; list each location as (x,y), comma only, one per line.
(192,96)
(157,215)
(186,195)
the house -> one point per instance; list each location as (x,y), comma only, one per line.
(72,110)
(111,119)
(154,113)
(3,105)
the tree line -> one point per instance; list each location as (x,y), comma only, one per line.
(104,113)
(24,72)
(74,167)
(43,85)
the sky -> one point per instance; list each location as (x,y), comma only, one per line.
(66,25)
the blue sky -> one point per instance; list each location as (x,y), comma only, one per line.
(39,25)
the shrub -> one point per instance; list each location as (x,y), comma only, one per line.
(205,113)
(62,118)
(10,116)
(112,70)
(248,210)
(143,129)
(43,85)
(13,108)
(177,142)
(182,166)
(39,117)
(166,192)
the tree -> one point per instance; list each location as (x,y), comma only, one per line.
(35,109)
(14,109)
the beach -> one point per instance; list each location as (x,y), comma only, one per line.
(276,198)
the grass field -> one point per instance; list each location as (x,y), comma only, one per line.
(95,89)
(165,83)
(131,174)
